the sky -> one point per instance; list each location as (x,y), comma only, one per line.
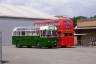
(69,8)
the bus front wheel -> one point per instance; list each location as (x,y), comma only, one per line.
(18,45)
(38,45)
(29,46)
(49,46)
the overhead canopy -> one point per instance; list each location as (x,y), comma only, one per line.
(7,10)
(87,27)
(79,34)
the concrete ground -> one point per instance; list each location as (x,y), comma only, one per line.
(49,56)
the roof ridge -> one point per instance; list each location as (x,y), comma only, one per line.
(23,11)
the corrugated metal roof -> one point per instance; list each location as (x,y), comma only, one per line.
(8,10)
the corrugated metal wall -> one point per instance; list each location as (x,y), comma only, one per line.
(8,24)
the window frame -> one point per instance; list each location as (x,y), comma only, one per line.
(67,22)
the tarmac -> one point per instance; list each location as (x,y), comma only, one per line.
(78,55)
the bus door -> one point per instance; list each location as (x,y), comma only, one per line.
(61,39)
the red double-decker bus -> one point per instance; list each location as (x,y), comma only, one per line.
(65,30)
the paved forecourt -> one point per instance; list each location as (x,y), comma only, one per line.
(49,56)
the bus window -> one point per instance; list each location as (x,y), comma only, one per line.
(70,34)
(54,33)
(23,33)
(56,23)
(29,33)
(16,33)
(67,22)
(57,27)
(44,33)
(68,27)
(49,33)
(66,34)
(34,34)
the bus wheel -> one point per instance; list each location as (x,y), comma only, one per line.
(63,46)
(38,45)
(18,45)
(49,46)
(55,46)
(29,46)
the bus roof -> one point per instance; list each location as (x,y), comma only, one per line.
(23,28)
(55,20)
(44,21)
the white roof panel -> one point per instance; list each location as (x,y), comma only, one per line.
(22,11)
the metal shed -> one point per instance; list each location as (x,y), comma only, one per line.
(12,16)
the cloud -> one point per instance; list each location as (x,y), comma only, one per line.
(60,7)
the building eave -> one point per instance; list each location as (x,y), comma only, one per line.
(85,27)
(79,34)
(23,18)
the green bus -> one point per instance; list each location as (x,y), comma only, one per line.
(27,36)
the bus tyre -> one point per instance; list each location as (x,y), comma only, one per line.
(29,46)
(49,46)
(18,45)
(55,46)
(63,46)
(38,45)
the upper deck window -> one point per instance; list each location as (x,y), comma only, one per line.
(67,22)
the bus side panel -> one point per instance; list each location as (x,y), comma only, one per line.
(45,42)
(24,40)
(66,41)
(69,41)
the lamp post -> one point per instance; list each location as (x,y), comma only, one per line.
(0,47)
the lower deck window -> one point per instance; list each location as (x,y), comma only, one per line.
(16,33)
(68,34)
(23,33)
